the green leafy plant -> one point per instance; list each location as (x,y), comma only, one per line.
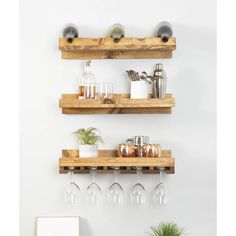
(167,229)
(88,136)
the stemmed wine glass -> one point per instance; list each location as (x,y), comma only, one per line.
(159,193)
(138,192)
(115,191)
(93,191)
(72,190)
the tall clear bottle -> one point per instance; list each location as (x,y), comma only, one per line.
(80,81)
(88,82)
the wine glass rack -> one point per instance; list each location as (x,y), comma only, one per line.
(109,158)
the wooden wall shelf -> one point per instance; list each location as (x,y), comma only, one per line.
(127,48)
(109,158)
(70,104)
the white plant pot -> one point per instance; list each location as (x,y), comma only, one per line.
(139,90)
(88,150)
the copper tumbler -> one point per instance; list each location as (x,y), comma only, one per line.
(152,150)
(126,150)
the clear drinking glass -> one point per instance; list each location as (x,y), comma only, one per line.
(159,193)
(108,90)
(100,91)
(138,193)
(93,191)
(72,190)
(115,191)
(105,92)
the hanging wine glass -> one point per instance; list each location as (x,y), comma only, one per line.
(159,193)
(93,191)
(115,191)
(138,193)
(72,191)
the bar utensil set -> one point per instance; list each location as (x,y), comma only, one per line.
(141,82)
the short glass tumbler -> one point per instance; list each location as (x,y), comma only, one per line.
(105,92)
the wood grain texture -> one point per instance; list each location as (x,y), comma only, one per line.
(102,111)
(105,48)
(109,158)
(74,153)
(70,104)
(117,55)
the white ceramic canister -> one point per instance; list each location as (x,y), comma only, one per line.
(139,90)
(88,150)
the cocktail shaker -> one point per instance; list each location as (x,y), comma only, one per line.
(139,142)
(159,82)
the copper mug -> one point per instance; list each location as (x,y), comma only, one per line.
(152,150)
(126,150)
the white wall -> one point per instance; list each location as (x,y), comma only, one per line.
(190,131)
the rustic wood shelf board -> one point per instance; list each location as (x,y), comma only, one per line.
(105,48)
(70,104)
(109,158)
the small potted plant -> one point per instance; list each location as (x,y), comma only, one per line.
(88,140)
(168,229)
